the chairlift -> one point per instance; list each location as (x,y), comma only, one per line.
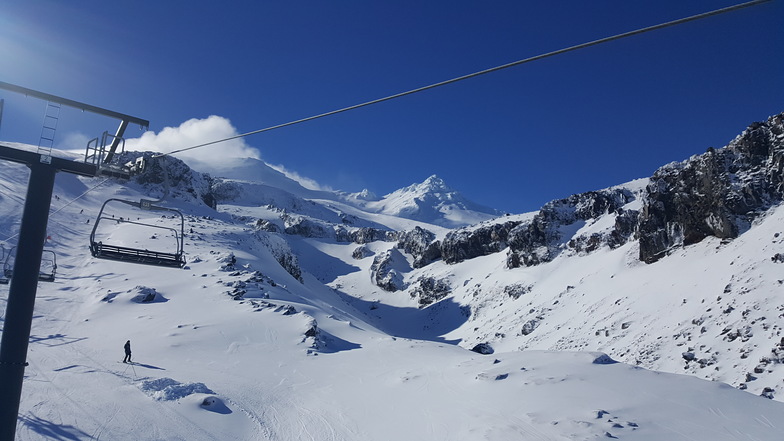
(118,234)
(46,273)
(48,266)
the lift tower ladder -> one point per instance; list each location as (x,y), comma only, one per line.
(124,119)
(51,117)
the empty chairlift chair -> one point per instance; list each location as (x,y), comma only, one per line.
(46,272)
(130,231)
(48,268)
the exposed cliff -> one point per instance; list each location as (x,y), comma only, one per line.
(716,194)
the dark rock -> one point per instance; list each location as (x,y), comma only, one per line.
(368,234)
(265,225)
(387,270)
(468,243)
(483,348)
(417,243)
(541,240)
(306,227)
(171,177)
(715,194)
(288,261)
(529,326)
(361,252)
(516,290)
(430,290)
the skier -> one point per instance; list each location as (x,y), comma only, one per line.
(127,358)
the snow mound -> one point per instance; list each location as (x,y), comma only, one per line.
(214,404)
(168,389)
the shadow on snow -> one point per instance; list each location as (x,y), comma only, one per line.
(430,323)
(55,339)
(50,430)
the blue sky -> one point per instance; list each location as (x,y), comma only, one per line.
(512,140)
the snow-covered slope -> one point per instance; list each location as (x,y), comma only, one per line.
(279,328)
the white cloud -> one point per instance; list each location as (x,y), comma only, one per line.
(221,159)
(73,141)
(304,181)
(196,132)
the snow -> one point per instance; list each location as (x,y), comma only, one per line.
(431,201)
(375,366)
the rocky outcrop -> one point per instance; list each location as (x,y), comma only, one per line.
(280,249)
(468,243)
(387,270)
(363,235)
(306,226)
(430,290)
(167,176)
(361,252)
(266,225)
(716,194)
(542,239)
(419,243)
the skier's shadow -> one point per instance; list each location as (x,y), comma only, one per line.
(148,366)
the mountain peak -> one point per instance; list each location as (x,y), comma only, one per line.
(435,182)
(432,201)
(431,185)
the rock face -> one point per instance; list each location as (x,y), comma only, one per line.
(549,231)
(417,243)
(716,194)
(171,177)
(430,290)
(464,244)
(387,270)
(363,235)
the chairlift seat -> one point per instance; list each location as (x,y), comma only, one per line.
(135,255)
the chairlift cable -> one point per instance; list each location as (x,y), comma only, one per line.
(61,208)
(486,71)
(78,197)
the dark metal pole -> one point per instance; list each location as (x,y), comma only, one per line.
(21,295)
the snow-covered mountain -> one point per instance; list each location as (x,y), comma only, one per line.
(432,201)
(305,314)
